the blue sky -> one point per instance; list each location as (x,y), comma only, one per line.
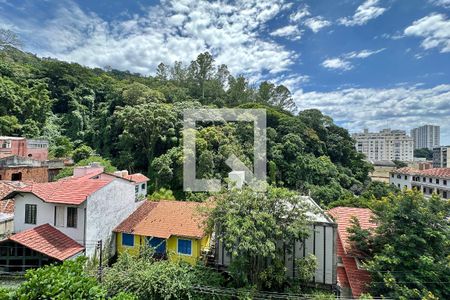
(366,63)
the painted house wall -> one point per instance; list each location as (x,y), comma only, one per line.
(45,213)
(106,209)
(321,243)
(171,247)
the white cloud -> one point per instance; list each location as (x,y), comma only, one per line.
(316,23)
(300,14)
(289,31)
(400,107)
(344,61)
(337,63)
(364,13)
(173,30)
(435,29)
(443,3)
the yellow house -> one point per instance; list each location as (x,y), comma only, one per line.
(175,229)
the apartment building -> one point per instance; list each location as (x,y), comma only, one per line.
(427,136)
(441,157)
(385,145)
(20,146)
(436,180)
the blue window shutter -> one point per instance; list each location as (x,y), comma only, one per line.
(185,247)
(127,239)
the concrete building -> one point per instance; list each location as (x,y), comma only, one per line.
(385,145)
(86,207)
(436,180)
(19,168)
(20,146)
(441,157)
(427,136)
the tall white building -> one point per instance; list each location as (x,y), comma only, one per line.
(385,145)
(427,136)
(441,157)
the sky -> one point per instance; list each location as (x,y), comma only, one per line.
(367,63)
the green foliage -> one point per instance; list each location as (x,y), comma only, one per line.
(68,171)
(149,279)
(410,249)
(424,153)
(162,194)
(81,153)
(252,226)
(65,281)
(136,122)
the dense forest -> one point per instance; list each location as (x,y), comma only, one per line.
(135,121)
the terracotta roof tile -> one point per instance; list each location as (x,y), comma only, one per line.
(434,172)
(343,216)
(165,218)
(48,240)
(405,170)
(72,190)
(137,177)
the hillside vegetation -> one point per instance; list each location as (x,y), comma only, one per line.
(135,121)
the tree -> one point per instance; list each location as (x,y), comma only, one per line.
(423,153)
(202,70)
(82,152)
(162,73)
(9,39)
(254,227)
(410,248)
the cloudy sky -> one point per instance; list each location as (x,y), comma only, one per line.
(367,63)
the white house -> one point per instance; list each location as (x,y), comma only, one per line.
(402,178)
(85,207)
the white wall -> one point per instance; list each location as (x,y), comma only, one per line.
(106,209)
(45,213)
(401,180)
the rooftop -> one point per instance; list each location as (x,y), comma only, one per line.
(165,218)
(48,240)
(434,172)
(343,215)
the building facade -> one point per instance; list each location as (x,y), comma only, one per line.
(427,136)
(441,157)
(85,208)
(20,146)
(436,180)
(385,145)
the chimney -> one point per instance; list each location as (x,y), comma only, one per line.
(124,173)
(118,173)
(238,177)
(92,168)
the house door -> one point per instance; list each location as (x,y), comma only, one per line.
(158,244)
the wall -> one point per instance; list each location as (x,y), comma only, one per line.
(171,247)
(36,174)
(106,209)
(18,147)
(321,243)
(401,180)
(46,214)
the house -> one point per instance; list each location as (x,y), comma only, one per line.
(20,146)
(18,168)
(36,247)
(321,243)
(352,278)
(85,207)
(139,180)
(428,181)
(175,229)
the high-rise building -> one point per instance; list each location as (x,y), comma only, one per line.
(441,157)
(427,136)
(385,145)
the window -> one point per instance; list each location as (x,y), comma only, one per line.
(59,216)
(406,177)
(30,213)
(445,182)
(136,189)
(430,180)
(72,214)
(16,176)
(6,144)
(437,181)
(184,247)
(444,194)
(127,239)
(143,186)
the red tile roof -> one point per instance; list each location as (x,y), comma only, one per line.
(343,216)
(7,206)
(165,218)
(48,240)
(72,190)
(435,172)
(137,177)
